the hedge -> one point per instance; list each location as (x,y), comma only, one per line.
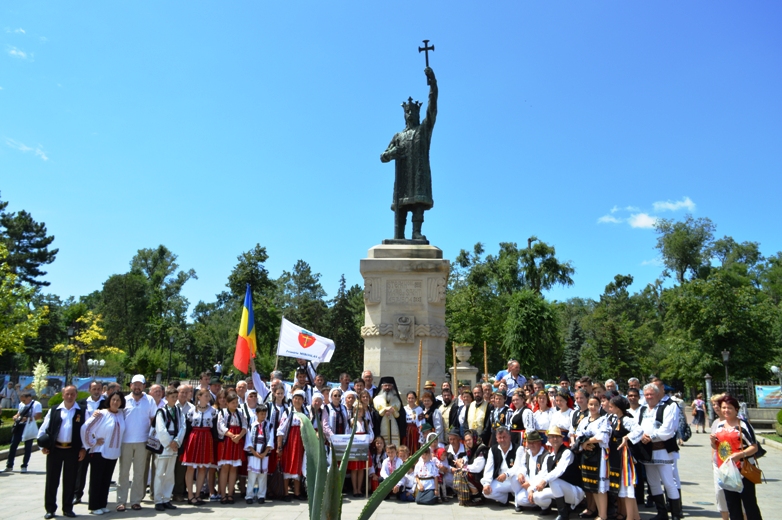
(779,417)
(57,398)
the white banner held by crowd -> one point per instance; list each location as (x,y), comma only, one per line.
(297,342)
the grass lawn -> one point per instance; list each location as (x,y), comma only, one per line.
(772,436)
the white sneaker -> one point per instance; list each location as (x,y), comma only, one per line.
(97,512)
(106,510)
(24,470)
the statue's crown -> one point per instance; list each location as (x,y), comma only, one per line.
(411,106)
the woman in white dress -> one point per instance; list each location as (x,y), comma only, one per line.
(562,417)
(415,418)
(543,413)
(592,437)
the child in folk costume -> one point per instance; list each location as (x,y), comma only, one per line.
(200,444)
(415,418)
(593,436)
(426,473)
(379,455)
(170,429)
(290,447)
(277,409)
(258,445)
(622,477)
(391,463)
(363,432)
(232,425)
(407,483)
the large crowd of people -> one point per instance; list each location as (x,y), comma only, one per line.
(585,450)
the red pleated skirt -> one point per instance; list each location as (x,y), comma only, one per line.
(199,452)
(293,452)
(230,452)
(359,464)
(411,438)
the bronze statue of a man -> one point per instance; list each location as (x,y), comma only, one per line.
(410,149)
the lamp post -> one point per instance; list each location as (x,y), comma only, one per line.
(725,358)
(95,365)
(71,332)
(777,372)
(187,359)
(170,351)
(708,397)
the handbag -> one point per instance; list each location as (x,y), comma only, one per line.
(276,485)
(153,443)
(751,472)
(30,431)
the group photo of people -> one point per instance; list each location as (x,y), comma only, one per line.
(581,449)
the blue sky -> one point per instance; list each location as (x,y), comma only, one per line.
(210,127)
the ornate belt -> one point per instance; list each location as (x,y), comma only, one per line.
(63,445)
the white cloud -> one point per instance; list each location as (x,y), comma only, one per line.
(43,39)
(614,209)
(38,150)
(17,53)
(632,208)
(642,220)
(668,205)
(657,262)
(20,30)
(609,219)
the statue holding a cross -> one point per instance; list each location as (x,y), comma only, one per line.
(410,149)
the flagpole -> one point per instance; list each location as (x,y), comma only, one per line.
(420,355)
(455,375)
(485,363)
(277,352)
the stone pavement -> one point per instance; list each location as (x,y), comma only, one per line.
(23,497)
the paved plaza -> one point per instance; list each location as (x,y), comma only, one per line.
(23,497)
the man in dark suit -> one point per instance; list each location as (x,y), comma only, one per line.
(60,440)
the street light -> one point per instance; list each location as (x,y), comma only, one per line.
(170,350)
(778,373)
(725,358)
(187,359)
(95,365)
(71,332)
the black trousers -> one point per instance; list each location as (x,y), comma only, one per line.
(179,478)
(81,477)
(16,439)
(61,463)
(100,479)
(746,497)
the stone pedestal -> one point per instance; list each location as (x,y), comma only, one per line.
(404,299)
(466,373)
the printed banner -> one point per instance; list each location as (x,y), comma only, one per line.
(54,384)
(769,396)
(296,342)
(82,384)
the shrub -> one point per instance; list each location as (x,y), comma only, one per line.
(56,399)
(7,431)
(779,417)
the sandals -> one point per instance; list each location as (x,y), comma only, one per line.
(230,499)
(196,501)
(224,500)
(136,507)
(121,508)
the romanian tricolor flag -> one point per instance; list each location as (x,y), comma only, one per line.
(246,344)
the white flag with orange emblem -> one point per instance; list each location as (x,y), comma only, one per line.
(297,342)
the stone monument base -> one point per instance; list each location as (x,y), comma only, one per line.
(404,297)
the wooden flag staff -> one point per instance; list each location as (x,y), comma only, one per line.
(455,386)
(485,363)
(420,356)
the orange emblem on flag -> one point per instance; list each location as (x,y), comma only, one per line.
(306,339)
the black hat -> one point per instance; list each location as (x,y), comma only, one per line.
(215,381)
(454,431)
(387,380)
(564,377)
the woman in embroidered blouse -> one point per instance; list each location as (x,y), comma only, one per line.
(199,451)
(543,413)
(624,428)
(365,434)
(290,447)
(102,436)
(433,417)
(595,433)
(562,418)
(414,415)
(732,426)
(277,409)
(232,425)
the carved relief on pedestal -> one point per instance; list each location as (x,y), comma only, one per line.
(371,291)
(404,329)
(390,329)
(435,290)
(404,292)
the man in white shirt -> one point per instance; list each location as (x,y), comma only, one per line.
(529,463)
(90,405)
(8,395)
(60,441)
(29,411)
(219,369)
(184,405)
(139,413)
(369,383)
(557,479)
(498,479)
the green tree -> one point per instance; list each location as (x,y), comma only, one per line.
(125,308)
(685,246)
(19,321)
(27,245)
(343,325)
(574,342)
(532,334)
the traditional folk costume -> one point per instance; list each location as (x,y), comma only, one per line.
(259,439)
(169,426)
(478,420)
(293,462)
(434,418)
(363,433)
(467,481)
(228,451)
(622,477)
(413,432)
(426,474)
(500,462)
(531,466)
(276,413)
(562,419)
(103,457)
(594,467)
(660,424)
(376,466)
(520,422)
(452,455)
(543,422)
(498,417)
(563,477)
(200,450)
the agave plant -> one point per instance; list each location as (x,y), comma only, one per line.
(324,484)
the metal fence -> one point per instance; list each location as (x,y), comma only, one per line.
(744,391)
